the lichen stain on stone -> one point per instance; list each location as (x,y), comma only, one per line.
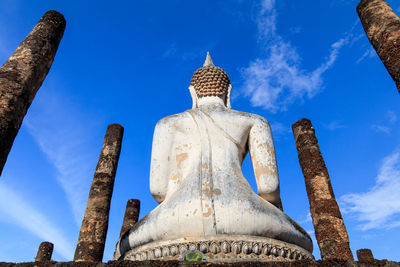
(180,158)
(217,192)
(382,27)
(175,176)
(207,192)
(261,169)
(236,171)
(184,147)
(208,213)
(267,146)
(320,188)
(205,167)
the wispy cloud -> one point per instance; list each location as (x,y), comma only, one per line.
(63,134)
(276,80)
(369,53)
(380,206)
(306,222)
(334,125)
(306,219)
(385,125)
(279,128)
(20,212)
(380,128)
(391,116)
(314,240)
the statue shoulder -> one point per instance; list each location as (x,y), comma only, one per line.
(172,120)
(254,118)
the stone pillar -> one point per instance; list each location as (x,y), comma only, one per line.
(22,75)
(44,252)
(365,255)
(92,236)
(131,215)
(330,230)
(382,27)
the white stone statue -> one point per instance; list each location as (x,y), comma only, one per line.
(205,202)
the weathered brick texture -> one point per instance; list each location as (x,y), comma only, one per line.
(365,255)
(330,230)
(22,75)
(131,215)
(45,252)
(382,27)
(92,236)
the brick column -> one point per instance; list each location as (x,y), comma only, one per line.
(330,230)
(365,255)
(44,252)
(131,215)
(382,27)
(22,75)
(92,236)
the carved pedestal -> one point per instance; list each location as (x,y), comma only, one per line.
(221,248)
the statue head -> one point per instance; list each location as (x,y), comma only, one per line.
(210,80)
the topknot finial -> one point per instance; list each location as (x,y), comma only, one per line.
(208,61)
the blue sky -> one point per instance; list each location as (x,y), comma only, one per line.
(131,63)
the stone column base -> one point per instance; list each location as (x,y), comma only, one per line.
(221,248)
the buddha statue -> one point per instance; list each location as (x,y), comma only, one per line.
(205,203)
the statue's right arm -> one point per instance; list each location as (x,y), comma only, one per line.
(159,161)
(263,158)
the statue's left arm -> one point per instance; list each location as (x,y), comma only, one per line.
(159,161)
(263,158)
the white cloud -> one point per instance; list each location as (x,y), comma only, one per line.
(369,53)
(279,128)
(171,51)
(306,219)
(333,125)
(314,240)
(23,214)
(380,206)
(380,128)
(276,79)
(391,116)
(63,134)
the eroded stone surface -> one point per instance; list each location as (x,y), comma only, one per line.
(94,226)
(365,255)
(222,248)
(45,252)
(159,263)
(382,27)
(330,230)
(131,215)
(22,75)
(196,177)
